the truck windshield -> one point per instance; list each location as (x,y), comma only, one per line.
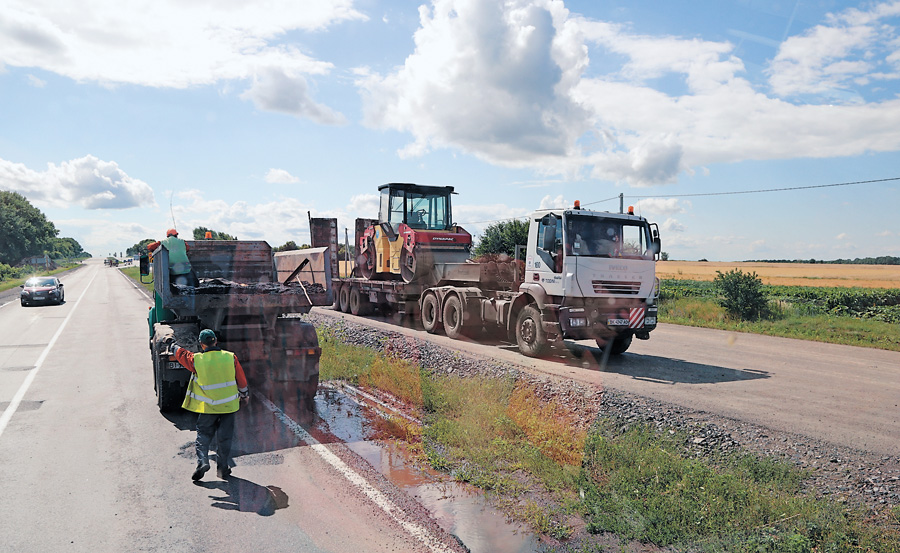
(589,236)
(419,210)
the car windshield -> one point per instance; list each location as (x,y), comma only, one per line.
(589,236)
(40,282)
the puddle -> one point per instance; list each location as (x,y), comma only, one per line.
(458,508)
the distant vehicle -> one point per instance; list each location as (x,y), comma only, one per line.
(42,290)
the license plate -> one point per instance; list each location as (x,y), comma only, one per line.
(650,320)
(617,322)
(173,365)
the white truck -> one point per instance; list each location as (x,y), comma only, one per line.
(587,275)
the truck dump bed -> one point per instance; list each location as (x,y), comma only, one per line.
(236,277)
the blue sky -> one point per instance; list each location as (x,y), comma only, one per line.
(243,117)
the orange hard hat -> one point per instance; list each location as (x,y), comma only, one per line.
(171,232)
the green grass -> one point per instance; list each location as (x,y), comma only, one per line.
(789,322)
(134,273)
(638,483)
(16,282)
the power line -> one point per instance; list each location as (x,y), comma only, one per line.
(766,190)
(785,189)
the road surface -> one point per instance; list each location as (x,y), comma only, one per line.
(87,462)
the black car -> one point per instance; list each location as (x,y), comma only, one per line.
(42,290)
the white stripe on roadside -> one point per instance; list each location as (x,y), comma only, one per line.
(417,531)
(17,399)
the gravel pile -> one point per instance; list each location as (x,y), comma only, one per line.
(855,477)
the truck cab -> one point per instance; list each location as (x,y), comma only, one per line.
(592,275)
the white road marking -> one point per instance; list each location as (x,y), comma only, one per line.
(17,399)
(382,501)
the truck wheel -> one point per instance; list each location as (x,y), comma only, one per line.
(454,318)
(345,299)
(169,395)
(430,310)
(359,302)
(530,332)
(619,345)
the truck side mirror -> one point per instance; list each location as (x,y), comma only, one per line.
(145,265)
(549,224)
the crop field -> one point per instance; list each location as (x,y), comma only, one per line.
(788,274)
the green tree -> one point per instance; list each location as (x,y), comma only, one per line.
(741,295)
(24,230)
(288,246)
(140,248)
(663,256)
(502,237)
(200,234)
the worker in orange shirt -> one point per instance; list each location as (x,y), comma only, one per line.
(216,389)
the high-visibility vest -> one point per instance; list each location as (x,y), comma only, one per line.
(179,264)
(213,388)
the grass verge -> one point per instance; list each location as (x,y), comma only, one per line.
(634,481)
(704,312)
(134,273)
(16,282)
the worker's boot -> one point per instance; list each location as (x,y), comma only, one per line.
(223,472)
(202,467)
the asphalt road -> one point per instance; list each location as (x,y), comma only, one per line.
(844,395)
(87,462)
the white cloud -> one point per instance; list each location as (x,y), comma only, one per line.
(672,225)
(88,182)
(512,84)
(815,62)
(36,82)
(364,205)
(662,206)
(169,43)
(548,202)
(275,90)
(488,78)
(841,236)
(280,176)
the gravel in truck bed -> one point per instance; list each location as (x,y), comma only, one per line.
(851,476)
(223,286)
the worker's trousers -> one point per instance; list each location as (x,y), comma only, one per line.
(222,427)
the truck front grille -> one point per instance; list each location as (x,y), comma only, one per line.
(616,287)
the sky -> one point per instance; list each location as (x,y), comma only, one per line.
(746,129)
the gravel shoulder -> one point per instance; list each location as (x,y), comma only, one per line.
(858,478)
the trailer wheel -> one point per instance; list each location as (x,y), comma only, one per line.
(530,332)
(454,318)
(359,302)
(619,346)
(344,295)
(430,310)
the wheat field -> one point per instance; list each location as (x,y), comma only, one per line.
(788,274)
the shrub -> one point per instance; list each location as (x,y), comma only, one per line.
(741,294)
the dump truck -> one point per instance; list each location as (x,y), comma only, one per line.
(586,275)
(237,294)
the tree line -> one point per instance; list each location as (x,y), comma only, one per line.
(26,232)
(881,260)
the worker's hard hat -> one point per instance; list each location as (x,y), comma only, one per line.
(207,337)
(171,232)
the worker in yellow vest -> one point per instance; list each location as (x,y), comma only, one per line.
(215,391)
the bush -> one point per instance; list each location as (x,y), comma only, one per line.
(741,294)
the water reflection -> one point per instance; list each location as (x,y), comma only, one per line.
(458,508)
